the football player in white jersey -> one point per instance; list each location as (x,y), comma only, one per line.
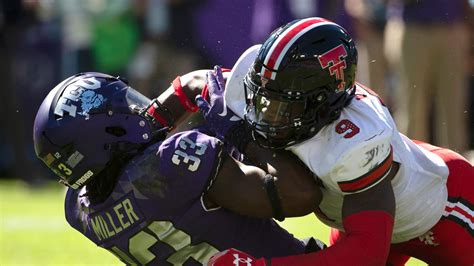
(386,197)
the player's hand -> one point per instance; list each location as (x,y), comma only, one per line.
(219,118)
(234,257)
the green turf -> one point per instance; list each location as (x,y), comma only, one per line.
(33,230)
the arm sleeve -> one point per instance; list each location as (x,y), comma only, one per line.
(367,242)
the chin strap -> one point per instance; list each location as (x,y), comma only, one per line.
(157,112)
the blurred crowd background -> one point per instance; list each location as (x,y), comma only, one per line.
(417,54)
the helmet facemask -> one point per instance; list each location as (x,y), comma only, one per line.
(284,118)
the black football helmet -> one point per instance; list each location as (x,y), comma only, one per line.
(301,79)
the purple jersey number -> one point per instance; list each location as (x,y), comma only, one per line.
(165,232)
(192,160)
(187,154)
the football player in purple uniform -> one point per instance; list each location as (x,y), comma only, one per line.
(152,196)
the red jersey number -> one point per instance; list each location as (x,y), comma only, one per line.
(347,128)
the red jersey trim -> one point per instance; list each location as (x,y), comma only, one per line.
(461,212)
(368,179)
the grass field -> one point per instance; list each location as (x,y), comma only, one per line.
(33,230)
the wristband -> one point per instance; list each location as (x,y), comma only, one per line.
(205,93)
(272,193)
(183,99)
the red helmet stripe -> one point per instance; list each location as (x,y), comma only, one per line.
(285,40)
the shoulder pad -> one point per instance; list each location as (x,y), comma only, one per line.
(234,90)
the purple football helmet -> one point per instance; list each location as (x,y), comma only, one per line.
(88,119)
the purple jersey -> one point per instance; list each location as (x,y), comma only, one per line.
(155,213)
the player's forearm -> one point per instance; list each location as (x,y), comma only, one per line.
(240,188)
(179,97)
(295,184)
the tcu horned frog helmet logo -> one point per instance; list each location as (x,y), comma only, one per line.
(334,59)
(89,100)
(80,94)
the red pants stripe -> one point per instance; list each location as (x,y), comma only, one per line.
(451,240)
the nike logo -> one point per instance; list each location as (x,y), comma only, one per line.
(233,118)
(224,112)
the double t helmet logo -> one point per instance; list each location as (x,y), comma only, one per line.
(334,59)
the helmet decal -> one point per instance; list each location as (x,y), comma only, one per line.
(83,179)
(284,41)
(75,158)
(90,100)
(334,59)
(81,92)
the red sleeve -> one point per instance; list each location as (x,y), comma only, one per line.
(367,242)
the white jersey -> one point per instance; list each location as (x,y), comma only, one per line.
(355,152)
